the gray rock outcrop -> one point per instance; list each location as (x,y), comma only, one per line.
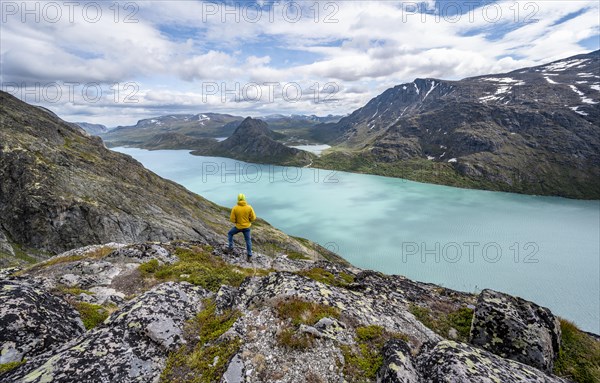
(452,362)
(398,365)
(516,329)
(33,321)
(131,346)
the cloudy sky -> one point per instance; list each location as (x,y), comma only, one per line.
(117,62)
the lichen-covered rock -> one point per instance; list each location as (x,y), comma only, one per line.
(32,321)
(143,253)
(131,346)
(516,329)
(329,328)
(263,358)
(5,246)
(397,365)
(365,309)
(452,362)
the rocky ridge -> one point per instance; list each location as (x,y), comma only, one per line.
(287,321)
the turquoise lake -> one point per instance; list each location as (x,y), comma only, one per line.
(543,249)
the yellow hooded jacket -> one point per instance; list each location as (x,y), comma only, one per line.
(242,215)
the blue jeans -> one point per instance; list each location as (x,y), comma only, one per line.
(247,237)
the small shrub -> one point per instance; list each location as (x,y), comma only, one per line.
(461,320)
(64,290)
(292,339)
(369,333)
(579,355)
(149,267)
(199,267)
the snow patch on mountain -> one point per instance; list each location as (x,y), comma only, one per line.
(564,65)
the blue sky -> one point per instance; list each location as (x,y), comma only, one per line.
(193,56)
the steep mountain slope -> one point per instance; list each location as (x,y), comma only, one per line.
(93,129)
(61,188)
(253,141)
(533,130)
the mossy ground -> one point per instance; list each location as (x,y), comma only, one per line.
(92,315)
(198,266)
(579,355)
(205,355)
(321,275)
(298,312)
(363,360)
(5,367)
(441,322)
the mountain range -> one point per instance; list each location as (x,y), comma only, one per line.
(532,130)
(170,129)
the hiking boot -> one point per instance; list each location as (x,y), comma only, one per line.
(228,250)
(249,258)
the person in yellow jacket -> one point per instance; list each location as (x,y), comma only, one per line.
(242,215)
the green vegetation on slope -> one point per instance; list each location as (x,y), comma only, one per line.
(199,267)
(363,360)
(205,355)
(441,322)
(579,355)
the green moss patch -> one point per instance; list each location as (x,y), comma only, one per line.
(442,322)
(91,315)
(579,355)
(321,275)
(363,360)
(199,267)
(205,356)
(5,367)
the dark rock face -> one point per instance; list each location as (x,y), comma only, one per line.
(453,362)
(131,346)
(516,329)
(398,365)
(32,321)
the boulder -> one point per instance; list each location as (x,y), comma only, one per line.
(516,329)
(398,366)
(131,346)
(33,321)
(452,362)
